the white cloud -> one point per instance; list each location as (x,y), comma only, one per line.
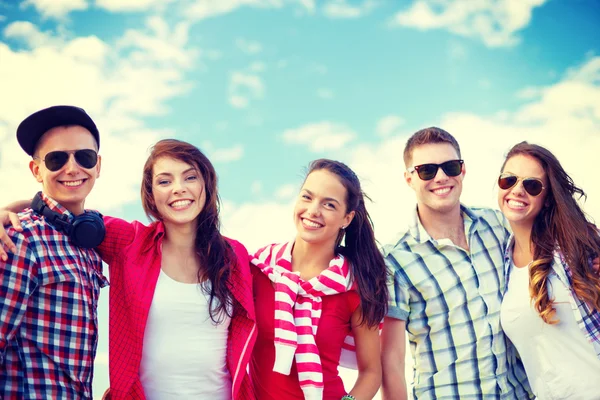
(325,93)
(229,154)
(243,87)
(588,73)
(222,154)
(248,46)
(87,50)
(57,9)
(257,224)
(118,85)
(286,191)
(341,9)
(238,101)
(201,9)
(308,5)
(161,44)
(131,5)
(28,33)
(389,125)
(495,22)
(320,136)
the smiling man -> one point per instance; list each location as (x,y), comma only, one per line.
(446,287)
(51,281)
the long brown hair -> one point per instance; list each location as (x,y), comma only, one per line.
(367,265)
(561,224)
(215,254)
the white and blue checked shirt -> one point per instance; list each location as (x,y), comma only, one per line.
(450,300)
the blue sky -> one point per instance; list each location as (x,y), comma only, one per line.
(265,86)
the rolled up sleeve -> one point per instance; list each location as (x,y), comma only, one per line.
(398,301)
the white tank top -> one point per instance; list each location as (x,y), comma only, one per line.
(559,361)
(184,354)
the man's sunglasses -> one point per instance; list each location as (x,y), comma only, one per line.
(55,160)
(533,186)
(428,171)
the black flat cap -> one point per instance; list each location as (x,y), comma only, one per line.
(33,127)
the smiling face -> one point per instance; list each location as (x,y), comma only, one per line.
(320,210)
(518,206)
(442,193)
(70,185)
(178,191)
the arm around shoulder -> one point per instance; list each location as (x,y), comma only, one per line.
(119,233)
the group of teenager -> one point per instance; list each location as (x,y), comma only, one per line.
(496,304)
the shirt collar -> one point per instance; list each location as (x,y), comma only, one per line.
(56,207)
(419,233)
(155,236)
(159,231)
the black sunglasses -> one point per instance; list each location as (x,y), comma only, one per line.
(533,186)
(55,160)
(428,171)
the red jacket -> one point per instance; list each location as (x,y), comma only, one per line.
(133,253)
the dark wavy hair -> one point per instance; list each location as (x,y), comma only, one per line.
(561,224)
(214,252)
(367,266)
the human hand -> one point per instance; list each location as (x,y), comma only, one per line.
(8,218)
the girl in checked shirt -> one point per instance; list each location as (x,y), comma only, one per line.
(312,293)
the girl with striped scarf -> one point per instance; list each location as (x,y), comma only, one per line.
(316,299)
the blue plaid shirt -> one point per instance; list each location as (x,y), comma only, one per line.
(48,319)
(450,299)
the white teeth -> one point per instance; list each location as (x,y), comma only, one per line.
(181,203)
(442,190)
(73,183)
(311,224)
(515,203)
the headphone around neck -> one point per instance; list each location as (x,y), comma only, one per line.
(86,230)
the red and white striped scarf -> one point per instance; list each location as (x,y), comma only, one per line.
(298,307)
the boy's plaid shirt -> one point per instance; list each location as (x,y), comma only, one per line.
(450,299)
(48,313)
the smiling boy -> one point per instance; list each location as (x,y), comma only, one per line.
(446,288)
(51,283)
